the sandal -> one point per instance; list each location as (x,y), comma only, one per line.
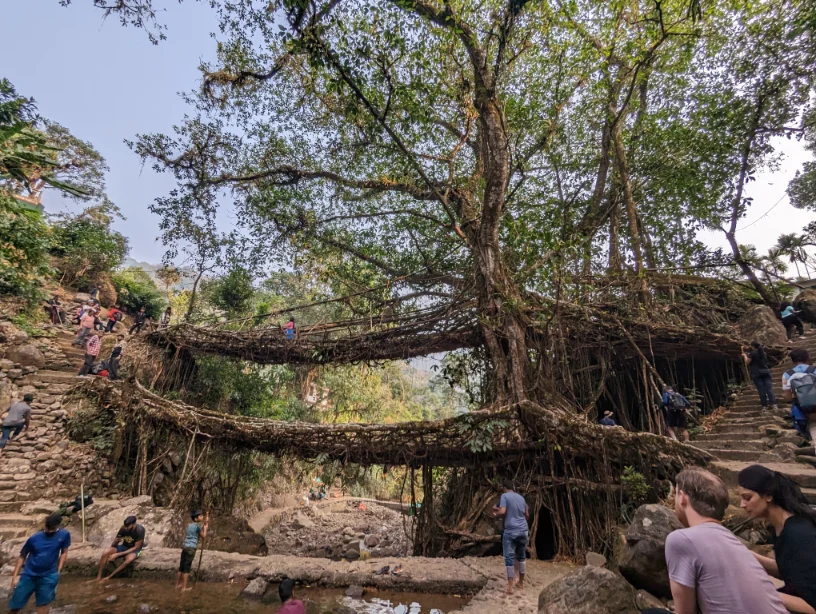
(383,571)
(397,571)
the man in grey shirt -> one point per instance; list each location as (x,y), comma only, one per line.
(514,539)
(18,419)
(709,568)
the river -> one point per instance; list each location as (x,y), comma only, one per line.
(127,596)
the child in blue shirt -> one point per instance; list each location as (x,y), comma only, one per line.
(196,529)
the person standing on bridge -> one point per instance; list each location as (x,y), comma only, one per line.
(757,362)
(776,499)
(289,329)
(514,539)
(799,386)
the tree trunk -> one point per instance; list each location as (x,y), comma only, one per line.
(503,329)
(746,269)
(614,237)
(191,303)
(628,198)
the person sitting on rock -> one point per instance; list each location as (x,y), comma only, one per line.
(286,592)
(798,388)
(710,571)
(608,419)
(41,560)
(514,539)
(17,420)
(195,530)
(778,500)
(127,544)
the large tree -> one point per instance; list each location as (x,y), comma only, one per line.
(484,149)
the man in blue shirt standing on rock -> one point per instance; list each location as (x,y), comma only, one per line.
(514,539)
(41,559)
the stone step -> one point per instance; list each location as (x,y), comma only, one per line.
(806,460)
(738,429)
(729,436)
(12,532)
(56,377)
(805,476)
(756,445)
(748,456)
(16,519)
(11,507)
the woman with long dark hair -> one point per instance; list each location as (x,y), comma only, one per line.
(778,500)
(757,362)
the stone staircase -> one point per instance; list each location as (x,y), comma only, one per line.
(43,468)
(747,435)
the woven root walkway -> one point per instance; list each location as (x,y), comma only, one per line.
(525,431)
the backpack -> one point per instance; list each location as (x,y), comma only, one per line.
(675,402)
(803,387)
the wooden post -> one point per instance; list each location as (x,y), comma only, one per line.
(82,506)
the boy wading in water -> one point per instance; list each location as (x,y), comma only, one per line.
(197,528)
(514,539)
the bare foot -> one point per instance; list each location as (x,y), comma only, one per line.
(520,586)
(187,590)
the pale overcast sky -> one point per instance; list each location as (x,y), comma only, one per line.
(107,83)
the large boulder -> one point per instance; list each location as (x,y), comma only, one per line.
(229,534)
(27,355)
(643,561)
(805,302)
(761,324)
(588,590)
(163,527)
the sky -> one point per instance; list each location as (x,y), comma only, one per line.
(107,83)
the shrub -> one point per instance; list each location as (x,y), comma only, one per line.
(233,292)
(23,249)
(136,289)
(85,247)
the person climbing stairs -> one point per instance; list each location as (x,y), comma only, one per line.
(747,435)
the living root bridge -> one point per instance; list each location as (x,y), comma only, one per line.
(382,338)
(495,437)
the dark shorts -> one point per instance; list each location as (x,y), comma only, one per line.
(44,589)
(123,547)
(677,419)
(186,562)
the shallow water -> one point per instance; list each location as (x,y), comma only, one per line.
(223,598)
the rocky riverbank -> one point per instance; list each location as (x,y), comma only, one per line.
(348,528)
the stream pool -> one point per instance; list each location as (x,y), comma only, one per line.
(128,595)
